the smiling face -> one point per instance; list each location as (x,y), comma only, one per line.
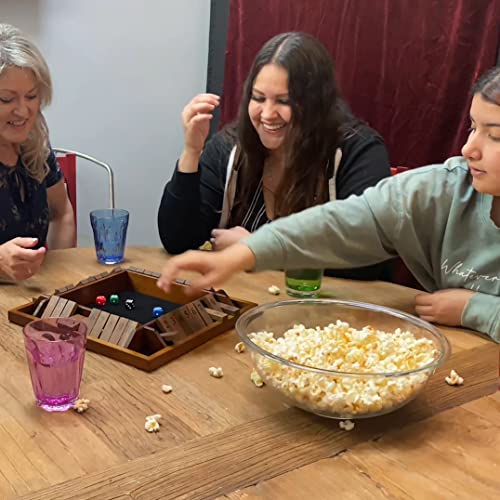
(19,105)
(269,107)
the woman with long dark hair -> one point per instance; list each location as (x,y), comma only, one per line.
(295,144)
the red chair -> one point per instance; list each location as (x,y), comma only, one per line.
(402,275)
(68,167)
(398,170)
(67,161)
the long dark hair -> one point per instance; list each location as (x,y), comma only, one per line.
(320,121)
(488,85)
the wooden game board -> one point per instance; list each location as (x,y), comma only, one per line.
(115,332)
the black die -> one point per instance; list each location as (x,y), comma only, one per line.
(130,304)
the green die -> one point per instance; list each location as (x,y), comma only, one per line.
(114,299)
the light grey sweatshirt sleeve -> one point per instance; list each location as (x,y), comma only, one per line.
(339,234)
(482,313)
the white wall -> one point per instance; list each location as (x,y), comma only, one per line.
(122,72)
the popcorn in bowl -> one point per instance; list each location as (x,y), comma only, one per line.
(337,370)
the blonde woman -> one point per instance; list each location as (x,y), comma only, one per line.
(35,211)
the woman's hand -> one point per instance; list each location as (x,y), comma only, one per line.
(223,238)
(444,307)
(215,267)
(196,118)
(18,260)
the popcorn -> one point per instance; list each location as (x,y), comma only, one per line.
(256,378)
(347,425)
(274,290)
(240,347)
(167,389)
(207,246)
(152,424)
(454,378)
(216,372)
(340,347)
(81,405)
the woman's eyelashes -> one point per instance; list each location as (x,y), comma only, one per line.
(257,98)
(8,100)
(261,99)
(472,129)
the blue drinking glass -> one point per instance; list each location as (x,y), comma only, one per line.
(110,233)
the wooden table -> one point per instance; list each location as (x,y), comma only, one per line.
(225,437)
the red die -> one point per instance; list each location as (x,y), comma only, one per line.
(100,300)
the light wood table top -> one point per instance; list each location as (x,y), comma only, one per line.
(453,455)
(225,437)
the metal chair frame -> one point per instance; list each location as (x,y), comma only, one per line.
(105,166)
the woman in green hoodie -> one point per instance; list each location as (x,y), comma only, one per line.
(442,220)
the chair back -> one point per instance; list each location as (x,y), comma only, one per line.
(67,161)
(398,170)
(68,167)
(68,153)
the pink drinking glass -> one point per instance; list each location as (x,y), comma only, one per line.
(55,350)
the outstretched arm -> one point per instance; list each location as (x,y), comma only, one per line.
(336,235)
(215,267)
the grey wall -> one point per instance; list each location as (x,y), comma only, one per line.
(122,71)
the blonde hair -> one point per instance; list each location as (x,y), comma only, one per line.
(18,51)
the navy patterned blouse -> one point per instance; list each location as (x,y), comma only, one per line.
(24,209)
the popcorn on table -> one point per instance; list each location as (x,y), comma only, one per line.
(240,347)
(339,347)
(256,378)
(347,425)
(152,424)
(274,290)
(167,389)
(81,405)
(454,378)
(216,372)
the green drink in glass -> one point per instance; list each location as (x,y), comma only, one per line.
(303,282)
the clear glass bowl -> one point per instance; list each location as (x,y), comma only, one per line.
(330,393)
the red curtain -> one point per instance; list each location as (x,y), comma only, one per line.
(405,66)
